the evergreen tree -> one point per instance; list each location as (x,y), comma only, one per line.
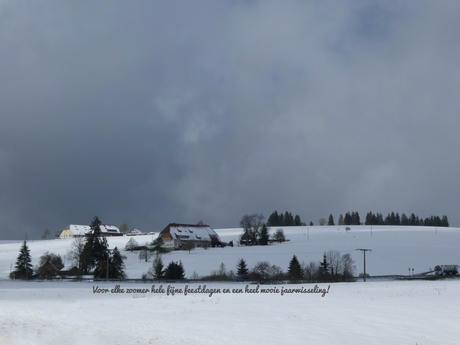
(369,219)
(404,220)
(341,221)
(295,272)
(444,221)
(347,220)
(264,235)
(297,221)
(95,250)
(157,246)
(117,265)
(23,268)
(242,268)
(158,267)
(174,271)
(273,220)
(324,268)
(331,220)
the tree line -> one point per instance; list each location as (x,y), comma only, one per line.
(334,267)
(392,218)
(284,219)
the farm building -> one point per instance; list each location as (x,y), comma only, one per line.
(175,236)
(82,230)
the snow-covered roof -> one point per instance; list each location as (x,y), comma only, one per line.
(135,231)
(82,230)
(187,232)
(79,230)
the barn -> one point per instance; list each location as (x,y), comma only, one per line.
(82,230)
(175,236)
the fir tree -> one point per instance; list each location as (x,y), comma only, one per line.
(295,272)
(264,235)
(158,267)
(242,268)
(157,246)
(273,220)
(174,271)
(95,250)
(117,265)
(331,220)
(340,221)
(23,268)
(324,268)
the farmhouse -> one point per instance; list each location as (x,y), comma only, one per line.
(82,230)
(135,232)
(175,236)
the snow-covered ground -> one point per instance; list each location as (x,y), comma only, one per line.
(394,249)
(375,312)
(402,312)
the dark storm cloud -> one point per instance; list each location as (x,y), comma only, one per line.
(153,112)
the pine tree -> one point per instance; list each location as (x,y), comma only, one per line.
(157,246)
(23,268)
(242,268)
(117,265)
(95,250)
(273,220)
(158,267)
(444,221)
(174,271)
(324,268)
(264,235)
(331,220)
(404,220)
(340,221)
(295,272)
(297,220)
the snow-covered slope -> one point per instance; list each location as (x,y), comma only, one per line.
(395,250)
(375,312)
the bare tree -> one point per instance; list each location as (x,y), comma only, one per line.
(252,224)
(335,264)
(322,221)
(123,228)
(348,266)
(311,271)
(46,233)
(279,236)
(76,250)
(131,244)
(144,254)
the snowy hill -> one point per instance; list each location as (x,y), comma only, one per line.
(378,312)
(394,249)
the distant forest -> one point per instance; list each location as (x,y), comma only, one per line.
(284,219)
(353,218)
(391,219)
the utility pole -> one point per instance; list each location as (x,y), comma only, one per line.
(364,251)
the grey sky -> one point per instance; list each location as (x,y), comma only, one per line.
(149,112)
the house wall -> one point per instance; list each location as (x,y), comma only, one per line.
(66,233)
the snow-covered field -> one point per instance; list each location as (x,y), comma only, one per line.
(375,312)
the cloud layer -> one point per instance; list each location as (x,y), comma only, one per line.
(147,113)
